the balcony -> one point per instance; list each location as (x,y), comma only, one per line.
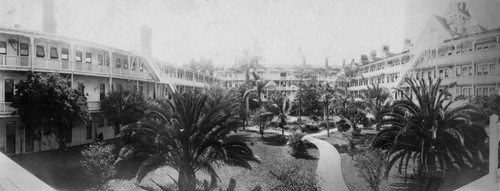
(65,66)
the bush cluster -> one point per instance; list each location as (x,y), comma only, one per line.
(97,162)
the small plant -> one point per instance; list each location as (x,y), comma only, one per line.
(370,165)
(293,179)
(98,162)
(343,126)
(297,145)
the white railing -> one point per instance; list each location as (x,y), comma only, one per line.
(22,62)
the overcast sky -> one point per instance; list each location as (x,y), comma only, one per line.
(280,31)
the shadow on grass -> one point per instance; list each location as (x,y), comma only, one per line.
(274,140)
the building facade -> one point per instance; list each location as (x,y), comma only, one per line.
(100,68)
(284,81)
(453,47)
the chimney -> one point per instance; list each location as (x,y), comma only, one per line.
(407,44)
(49,22)
(363,59)
(146,40)
(373,54)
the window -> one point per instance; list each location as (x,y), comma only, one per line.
(446,73)
(102,92)
(283,74)
(458,90)
(64,54)
(134,64)
(485,69)
(125,63)
(88,131)
(479,69)
(118,62)
(479,92)
(417,75)
(470,70)
(106,60)
(441,73)
(9,90)
(459,71)
(88,57)
(100,122)
(78,56)
(99,59)
(485,91)
(464,71)
(492,69)
(24,49)
(53,53)
(3,47)
(492,90)
(40,52)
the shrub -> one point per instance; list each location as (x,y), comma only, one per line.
(343,126)
(331,124)
(298,147)
(293,179)
(370,165)
(98,162)
(309,128)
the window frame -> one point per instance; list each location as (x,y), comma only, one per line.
(118,63)
(100,59)
(78,56)
(24,47)
(3,46)
(64,53)
(9,92)
(51,56)
(88,57)
(40,51)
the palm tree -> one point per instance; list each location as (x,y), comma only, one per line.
(440,139)
(192,139)
(377,99)
(328,93)
(349,109)
(280,106)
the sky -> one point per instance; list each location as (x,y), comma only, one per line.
(282,32)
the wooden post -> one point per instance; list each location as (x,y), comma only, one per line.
(493,162)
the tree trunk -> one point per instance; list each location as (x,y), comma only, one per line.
(187,178)
(261,130)
(326,120)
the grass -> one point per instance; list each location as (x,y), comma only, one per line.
(271,149)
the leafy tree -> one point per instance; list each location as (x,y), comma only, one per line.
(309,95)
(440,139)
(370,165)
(377,99)
(98,162)
(124,107)
(48,102)
(488,104)
(192,139)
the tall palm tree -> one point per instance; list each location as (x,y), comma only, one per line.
(377,99)
(192,139)
(437,137)
(328,94)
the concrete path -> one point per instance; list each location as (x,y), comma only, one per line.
(329,165)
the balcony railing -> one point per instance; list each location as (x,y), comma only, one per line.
(23,62)
(6,109)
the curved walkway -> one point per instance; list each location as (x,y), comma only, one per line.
(329,165)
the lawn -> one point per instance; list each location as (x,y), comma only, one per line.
(271,149)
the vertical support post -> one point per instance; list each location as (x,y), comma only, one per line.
(493,159)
